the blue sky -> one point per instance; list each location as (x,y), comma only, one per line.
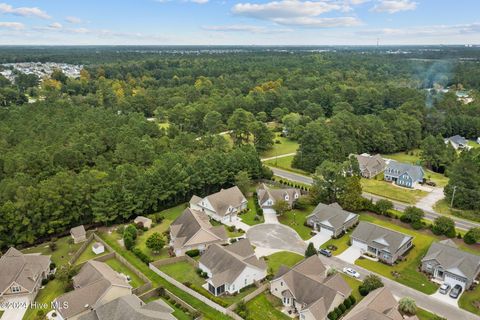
(239,22)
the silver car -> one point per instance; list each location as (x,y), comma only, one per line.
(351,272)
(444,288)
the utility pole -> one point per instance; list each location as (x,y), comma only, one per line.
(453,196)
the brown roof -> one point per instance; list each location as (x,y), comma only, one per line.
(377,305)
(194,225)
(227,263)
(23,269)
(264,193)
(224,199)
(78,231)
(93,280)
(372,164)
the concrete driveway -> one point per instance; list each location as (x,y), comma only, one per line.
(270,216)
(276,236)
(318,239)
(445,298)
(427,202)
(350,255)
(15,309)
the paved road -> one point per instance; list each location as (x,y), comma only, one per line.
(429,215)
(424,301)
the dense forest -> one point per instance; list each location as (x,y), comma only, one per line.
(82,150)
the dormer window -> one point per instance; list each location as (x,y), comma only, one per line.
(296,196)
(286,198)
(16,289)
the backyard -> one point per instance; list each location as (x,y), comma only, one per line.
(265,306)
(135,280)
(88,254)
(393,192)
(411,157)
(295,219)
(276,260)
(284,147)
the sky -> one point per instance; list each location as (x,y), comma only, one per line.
(239,22)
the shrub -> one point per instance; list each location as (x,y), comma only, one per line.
(444,226)
(128,241)
(370,283)
(417,225)
(193,253)
(342,308)
(52,265)
(53,246)
(231,228)
(51,277)
(472,236)
(120,230)
(142,256)
(332,316)
(311,251)
(352,300)
(162,293)
(383,206)
(131,229)
(347,303)
(407,305)
(44,281)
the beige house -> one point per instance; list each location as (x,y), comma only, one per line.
(267,197)
(95,285)
(193,230)
(78,234)
(331,219)
(144,221)
(130,307)
(21,274)
(307,291)
(370,165)
(379,304)
(222,206)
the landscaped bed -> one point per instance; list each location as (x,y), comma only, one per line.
(276,260)
(265,306)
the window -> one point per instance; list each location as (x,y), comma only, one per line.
(281,283)
(16,289)
(286,198)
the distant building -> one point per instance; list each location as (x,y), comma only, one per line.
(78,234)
(98,248)
(369,165)
(267,197)
(457,142)
(143,221)
(403,174)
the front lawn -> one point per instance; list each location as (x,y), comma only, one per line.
(135,281)
(425,315)
(354,284)
(285,146)
(285,163)
(249,216)
(295,219)
(470,300)
(393,192)
(265,306)
(276,260)
(340,243)
(186,273)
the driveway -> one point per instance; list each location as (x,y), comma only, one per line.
(350,255)
(238,224)
(276,236)
(427,202)
(270,216)
(318,239)
(445,298)
(15,309)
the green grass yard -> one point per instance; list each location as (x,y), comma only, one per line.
(276,260)
(354,284)
(443,207)
(425,315)
(340,243)
(412,156)
(284,147)
(135,280)
(388,190)
(178,313)
(285,163)
(265,306)
(470,300)
(249,216)
(295,219)
(52,290)
(440,179)
(88,254)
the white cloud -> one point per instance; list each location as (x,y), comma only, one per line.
(425,31)
(320,22)
(56,25)
(73,20)
(393,6)
(23,11)
(244,28)
(199,1)
(12,25)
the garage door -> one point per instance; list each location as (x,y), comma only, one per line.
(326,231)
(452,281)
(360,245)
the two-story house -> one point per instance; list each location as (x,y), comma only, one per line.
(403,174)
(267,197)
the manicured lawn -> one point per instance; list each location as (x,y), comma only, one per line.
(178,313)
(469,299)
(340,243)
(443,207)
(276,260)
(265,306)
(473,144)
(63,253)
(135,281)
(425,315)
(388,190)
(412,156)
(185,272)
(249,216)
(354,284)
(88,254)
(52,290)
(295,219)
(157,281)
(285,163)
(1,313)
(284,147)
(438,178)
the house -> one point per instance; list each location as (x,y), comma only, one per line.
(78,234)
(143,221)
(331,219)
(98,248)
(446,262)
(267,197)
(222,206)
(385,244)
(307,291)
(96,284)
(369,165)
(130,307)
(478,140)
(458,142)
(21,274)
(403,174)
(193,230)
(231,268)
(379,304)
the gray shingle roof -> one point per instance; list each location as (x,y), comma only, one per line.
(78,231)
(453,259)
(223,199)
(372,164)
(380,237)
(416,172)
(457,139)
(264,193)
(331,215)
(377,305)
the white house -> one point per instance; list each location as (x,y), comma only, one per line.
(232,267)
(222,206)
(267,197)
(98,248)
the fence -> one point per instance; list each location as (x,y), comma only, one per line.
(165,262)
(81,249)
(153,293)
(250,296)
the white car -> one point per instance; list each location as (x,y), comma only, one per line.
(351,272)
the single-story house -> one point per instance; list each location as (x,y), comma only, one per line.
(267,197)
(193,230)
(143,221)
(380,304)
(231,268)
(130,307)
(78,234)
(98,248)
(307,291)
(446,262)
(403,174)
(386,244)
(96,284)
(331,219)
(370,165)
(21,274)
(222,206)
(458,142)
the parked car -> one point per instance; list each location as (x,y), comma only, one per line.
(444,288)
(456,291)
(351,272)
(431,183)
(325,252)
